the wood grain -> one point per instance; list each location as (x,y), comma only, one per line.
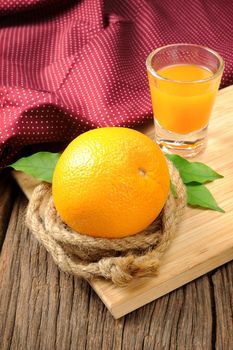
(7,190)
(223,294)
(204,240)
(42,308)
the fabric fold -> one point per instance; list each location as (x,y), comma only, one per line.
(66,67)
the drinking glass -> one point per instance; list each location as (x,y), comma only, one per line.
(183,80)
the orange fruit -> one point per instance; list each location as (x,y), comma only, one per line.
(110,182)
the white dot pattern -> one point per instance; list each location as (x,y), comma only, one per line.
(69,66)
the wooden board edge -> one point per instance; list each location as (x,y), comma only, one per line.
(26,182)
(152,294)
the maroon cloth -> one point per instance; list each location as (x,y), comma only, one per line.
(68,66)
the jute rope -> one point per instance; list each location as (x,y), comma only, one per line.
(116,259)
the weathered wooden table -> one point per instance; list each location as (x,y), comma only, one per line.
(43,308)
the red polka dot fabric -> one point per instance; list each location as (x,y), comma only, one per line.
(69,66)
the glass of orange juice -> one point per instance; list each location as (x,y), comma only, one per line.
(184,80)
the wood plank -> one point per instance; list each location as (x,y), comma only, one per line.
(36,300)
(204,239)
(43,308)
(7,195)
(184,319)
(223,296)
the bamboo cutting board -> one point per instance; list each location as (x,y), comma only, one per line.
(204,240)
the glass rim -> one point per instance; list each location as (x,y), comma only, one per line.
(156,75)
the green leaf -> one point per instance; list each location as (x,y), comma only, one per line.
(178,161)
(40,165)
(193,172)
(200,196)
(173,189)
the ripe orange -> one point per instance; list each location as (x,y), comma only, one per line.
(110,182)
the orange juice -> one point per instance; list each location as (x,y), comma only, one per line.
(182,101)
